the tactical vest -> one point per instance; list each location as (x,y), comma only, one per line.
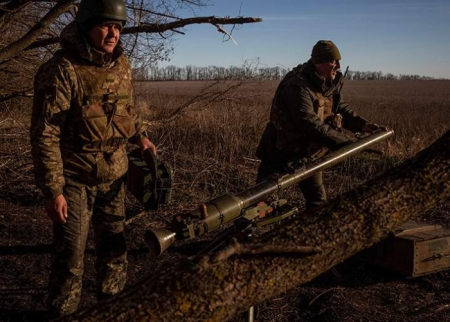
(293,139)
(103,118)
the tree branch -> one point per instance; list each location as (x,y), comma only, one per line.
(28,93)
(14,48)
(12,6)
(159,28)
(201,290)
(205,97)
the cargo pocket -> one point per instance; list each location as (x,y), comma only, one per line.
(123,122)
(319,106)
(94,122)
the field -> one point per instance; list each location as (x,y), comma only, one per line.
(208,132)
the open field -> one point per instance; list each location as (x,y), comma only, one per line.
(208,132)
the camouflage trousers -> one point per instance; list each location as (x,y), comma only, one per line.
(312,188)
(104,205)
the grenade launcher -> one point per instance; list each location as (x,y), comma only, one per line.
(251,206)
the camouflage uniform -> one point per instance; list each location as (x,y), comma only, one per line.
(82,119)
(307,118)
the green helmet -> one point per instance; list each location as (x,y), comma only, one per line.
(102,9)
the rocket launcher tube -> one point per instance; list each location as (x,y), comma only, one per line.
(262,190)
(226,208)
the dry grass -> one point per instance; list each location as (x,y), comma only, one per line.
(212,144)
(208,132)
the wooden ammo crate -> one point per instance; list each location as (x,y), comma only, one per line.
(413,250)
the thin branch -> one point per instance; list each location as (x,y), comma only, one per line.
(220,29)
(235,248)
(12,6)
(151,28)
(15,95)
(205,97)
(14,48)
(160,28)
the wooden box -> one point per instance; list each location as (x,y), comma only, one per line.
(413,250)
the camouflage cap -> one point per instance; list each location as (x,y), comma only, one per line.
(325,51)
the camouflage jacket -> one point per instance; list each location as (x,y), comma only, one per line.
(82,116)
(302,114)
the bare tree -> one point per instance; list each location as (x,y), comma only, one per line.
(30,32)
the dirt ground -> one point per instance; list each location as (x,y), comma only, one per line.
(353,291)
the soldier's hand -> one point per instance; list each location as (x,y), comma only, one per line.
(145,144)
(57,209)
(372,127)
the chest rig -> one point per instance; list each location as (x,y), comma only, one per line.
(102,112)
(323,106)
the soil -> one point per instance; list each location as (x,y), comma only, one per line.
(352,291)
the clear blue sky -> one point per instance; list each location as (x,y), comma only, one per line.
(391,36)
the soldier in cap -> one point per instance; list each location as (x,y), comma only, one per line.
(83,116)
(307,118)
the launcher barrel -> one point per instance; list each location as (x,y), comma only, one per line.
(228,207)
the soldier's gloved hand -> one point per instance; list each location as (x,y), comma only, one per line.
(335,121)
(57,209)
(372,127)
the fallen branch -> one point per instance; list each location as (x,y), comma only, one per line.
(201,290)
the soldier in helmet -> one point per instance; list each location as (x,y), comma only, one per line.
(307,118)
(83,116)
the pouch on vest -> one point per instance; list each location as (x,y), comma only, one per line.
(149,179)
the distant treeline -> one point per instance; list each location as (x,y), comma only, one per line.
(174,73)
